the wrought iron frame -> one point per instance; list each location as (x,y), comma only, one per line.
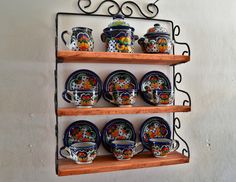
(152,10)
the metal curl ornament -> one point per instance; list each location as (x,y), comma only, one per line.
(176,33)
(178,81)
(177,125)
(114,4)
(149,6)
(121,8)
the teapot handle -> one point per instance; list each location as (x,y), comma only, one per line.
(136,37)
(63,38)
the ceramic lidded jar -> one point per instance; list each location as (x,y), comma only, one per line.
(119,36)
(156,40)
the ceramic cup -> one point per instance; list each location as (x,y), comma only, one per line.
(81,39)
(81,153)
(161,97)
(162,146)
(125,149)
(122,98)
(81,98)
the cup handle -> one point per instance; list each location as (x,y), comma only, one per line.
(65,96)
(63,38)
(156,97)
(103,37)
(138,148)
(66,152)
(174,145)
(109,97)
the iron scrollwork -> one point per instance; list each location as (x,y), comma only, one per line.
(152,8)
(177,126)
(178,80)
(176,33)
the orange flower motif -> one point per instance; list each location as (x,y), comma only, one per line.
(83,46)
(87,85)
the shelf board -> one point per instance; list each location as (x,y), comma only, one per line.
(109,163)
(121,58)
(121,110)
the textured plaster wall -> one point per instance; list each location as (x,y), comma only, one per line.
(27,140)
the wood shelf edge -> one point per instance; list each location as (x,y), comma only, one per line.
(109,164)
(121,110)
(122,58)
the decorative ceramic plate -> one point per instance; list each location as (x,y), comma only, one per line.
(154,80)
(84,80)
(82,131)
(120,80)
(117,129)
(154,127)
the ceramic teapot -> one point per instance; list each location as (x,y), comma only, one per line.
(156,40)
(119,36)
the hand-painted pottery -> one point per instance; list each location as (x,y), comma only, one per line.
(123,83)
(83,80)
(160,97)
(81,153)
(119,36)
(156,40)
(117,129)
(154,127)
(162,146)
(155,88)
(122,98)
(81,39)
(125,149)
(82,131)
(81,98)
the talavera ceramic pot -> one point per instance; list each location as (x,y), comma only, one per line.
(156,40)
(119,36)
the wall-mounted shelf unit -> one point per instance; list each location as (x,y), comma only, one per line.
(108,163)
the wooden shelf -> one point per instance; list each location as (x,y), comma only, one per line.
(121,110)
(109,163)
(121,58)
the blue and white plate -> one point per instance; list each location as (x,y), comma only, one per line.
(81,131)
(154,127)
(120,80)
(84,80)
(153,81)
(117,129)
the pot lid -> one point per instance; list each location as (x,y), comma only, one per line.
(157,29)
(118,23)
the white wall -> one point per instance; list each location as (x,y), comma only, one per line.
(27,141)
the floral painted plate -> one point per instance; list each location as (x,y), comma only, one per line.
(82,131)
(151,81)
(84,80)
(154,127)
(117,129)
(120,80)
